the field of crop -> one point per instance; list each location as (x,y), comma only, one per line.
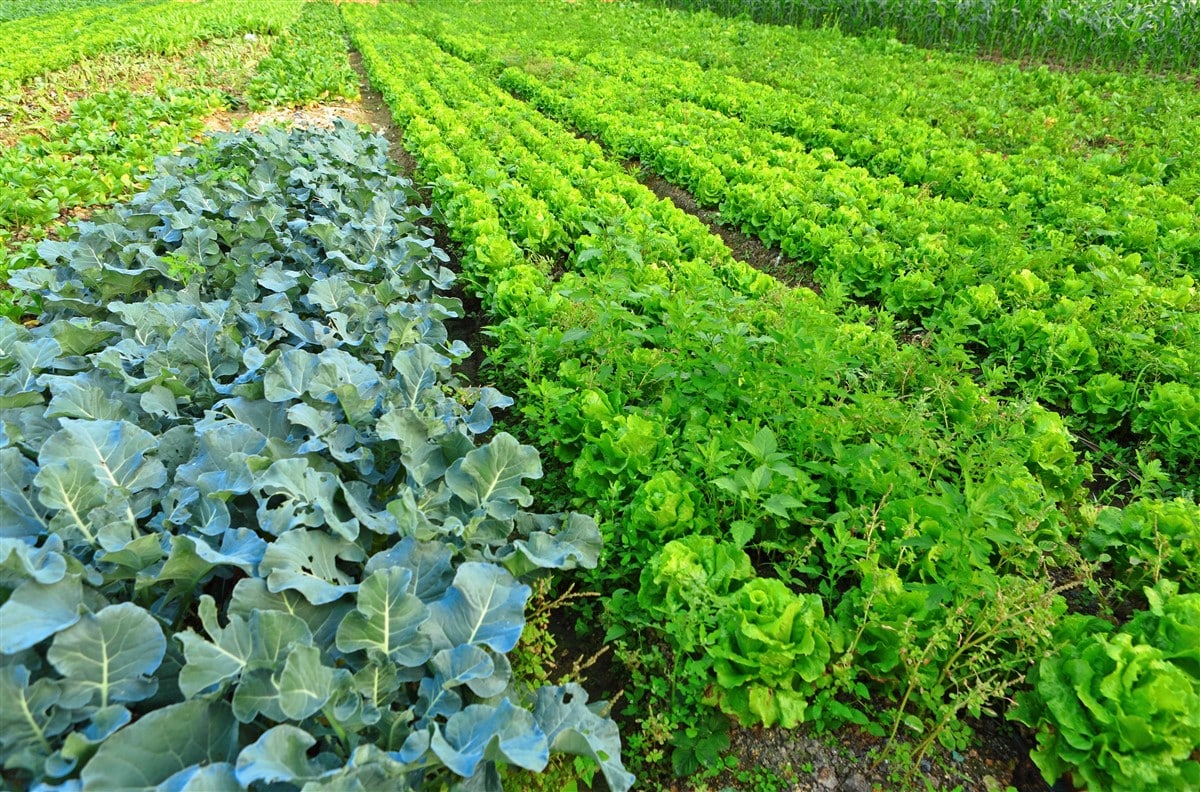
(854,387)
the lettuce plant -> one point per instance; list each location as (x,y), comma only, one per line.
(1121,710)
(772,648)
(766,645)
(1148,540)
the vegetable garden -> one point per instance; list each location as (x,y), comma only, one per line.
(260,527)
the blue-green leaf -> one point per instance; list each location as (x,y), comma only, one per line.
(110,654)
(490,477)
(217,777)
(114,451)
(388,619)
(21,561)
(279,755)
(160,744)
(572,727)
(29,718)
(21,516)
(306,561)
(35,611)
(305,684)
(430,563)
(501,733)
(485,605)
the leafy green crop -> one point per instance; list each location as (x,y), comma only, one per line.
(1113,32)
(771,653)
(253,533)
(767,646)
(1121,710)
(306,64)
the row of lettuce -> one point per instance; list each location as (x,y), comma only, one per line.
(1073,288)
(851,93)
(109,138)
(743,442)
(256,532)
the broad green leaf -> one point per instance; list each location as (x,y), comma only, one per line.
(204,344)
(29,718)
(79,336)
(211,662)
(92,398)
(291,493)
(306,561)
(417,368)
(70,486)
(481,732)
(110,654)
(452,668)
(485,605)
(21,516)
(36,611)
(430,562)
(81,743)
(572,727)
(305,684)
(219,466)
(388,618)
(575,542)
(192,557)
(257,693)
(218,777)
(490,476)
(20,561)
(377,682)
(114,451)
(251,594)
(279,755)
(289,377)
(160,744)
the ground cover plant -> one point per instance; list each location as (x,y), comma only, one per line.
(250,514)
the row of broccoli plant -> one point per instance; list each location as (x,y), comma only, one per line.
(1082,329)
(256,533)
(629,361)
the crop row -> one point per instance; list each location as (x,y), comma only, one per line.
(1054,317)
(1137,126)
(110,137)
(32,46)
(1097,209)
(249,510)
(24,9)
(696,406)
(1112,32)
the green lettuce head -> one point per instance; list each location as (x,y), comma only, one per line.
(691,572)
(1116,713)
(772,648)
(664,506)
